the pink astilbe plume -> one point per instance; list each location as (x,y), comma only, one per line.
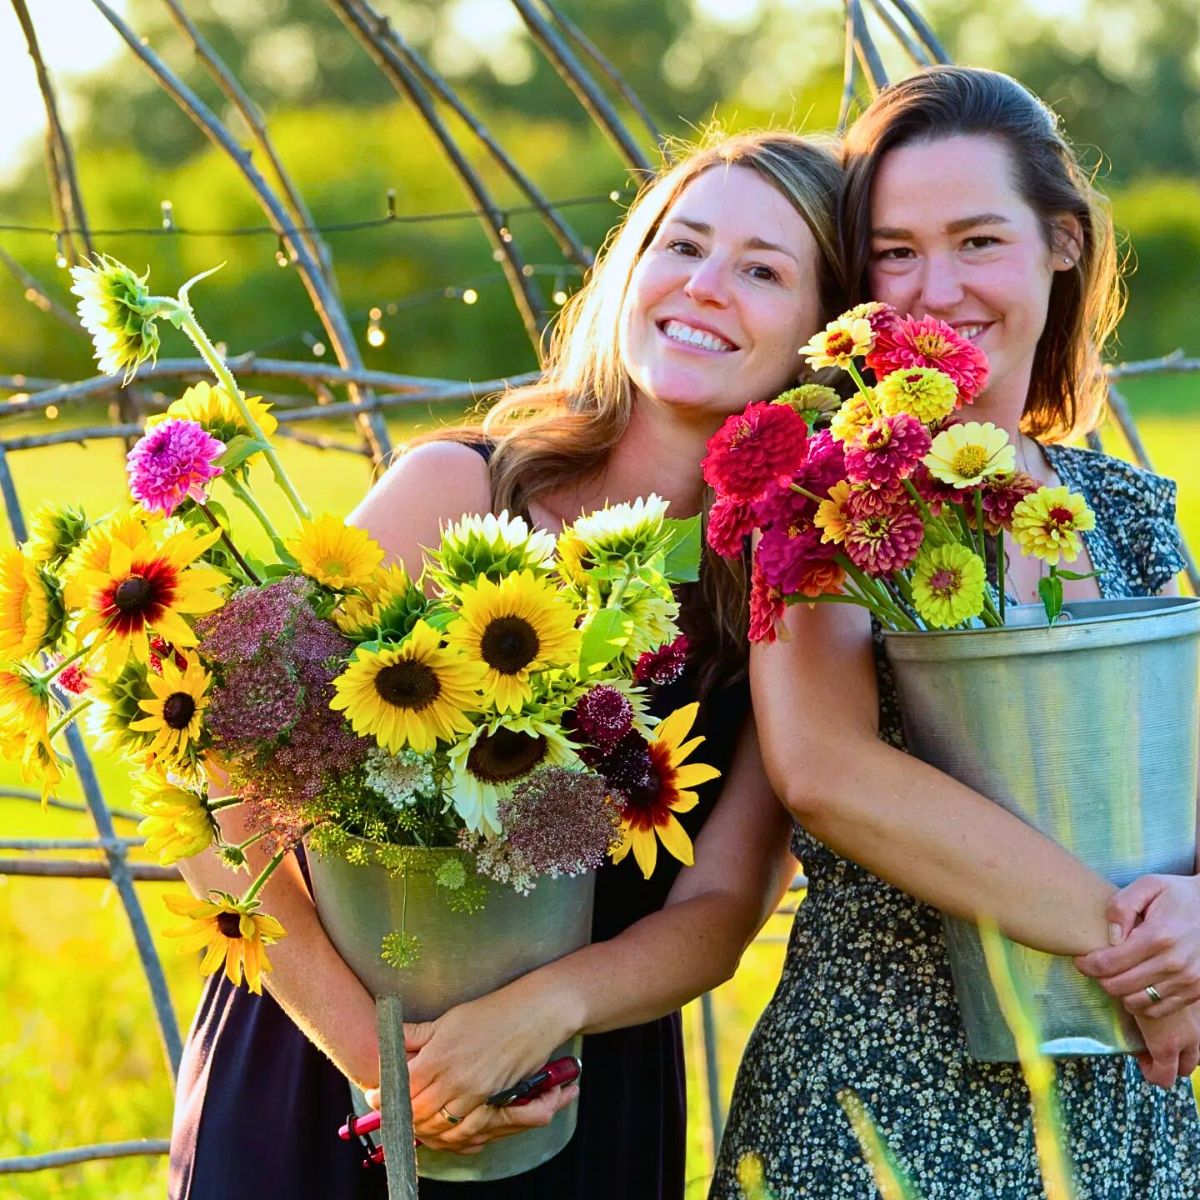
(753,448)
(173,462)
(887,451)
(931,343)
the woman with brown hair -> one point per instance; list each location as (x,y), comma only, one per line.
(962,201)
(723,267)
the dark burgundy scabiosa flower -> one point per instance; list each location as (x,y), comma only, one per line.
(603,716)
(664,665)
(753,448)
(627,765)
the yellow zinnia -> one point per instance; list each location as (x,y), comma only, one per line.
(409,694)
(144,586)
(514,627)
(839,343)
(923,392)
(177,823)
(27,603)
(1047,524)
(334,553)
(229,932)
(852,418)
(175,714)
(648,812)
(830,518)
(965,455)
(947,584)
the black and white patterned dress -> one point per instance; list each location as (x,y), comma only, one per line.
(866,1001)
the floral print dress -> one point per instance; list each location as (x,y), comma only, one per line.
(866,1000)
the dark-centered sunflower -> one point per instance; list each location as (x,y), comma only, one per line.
(175,714)
(519,625)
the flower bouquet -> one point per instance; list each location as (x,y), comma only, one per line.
(893,501)
(477,726)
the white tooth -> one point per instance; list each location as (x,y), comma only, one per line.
(679,332)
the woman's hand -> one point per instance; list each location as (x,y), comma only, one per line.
(475,1050)
(1172,1046)
(1159,916)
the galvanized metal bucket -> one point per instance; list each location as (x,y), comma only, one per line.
(1087,730)
(463,956)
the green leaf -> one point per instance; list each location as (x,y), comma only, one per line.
(1065,574)
(682,556)
(604,639)
(1051,592)
(238,449)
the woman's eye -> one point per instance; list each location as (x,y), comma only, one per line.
(893,252)
(681,246)
(766,273)
(981,242)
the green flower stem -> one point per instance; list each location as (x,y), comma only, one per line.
(226,802)
(263,876)
(1000,573)
(862,387)
(932,524)
(71,715)
(57,670)
(877,598)
(241,562)
(244,494)
(183,316)
(980,527)
(803,491)
(254,837)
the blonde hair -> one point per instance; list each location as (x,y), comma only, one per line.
(564,426)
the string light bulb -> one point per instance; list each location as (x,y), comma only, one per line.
(469,296)
(375,333)
(60,254)
(168,215)
(281,254)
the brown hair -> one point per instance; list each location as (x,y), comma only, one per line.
(1067,388)
(564,426)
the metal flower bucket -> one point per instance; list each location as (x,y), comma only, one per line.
(1087,730)
(463,956)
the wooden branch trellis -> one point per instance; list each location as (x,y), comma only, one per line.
(370,394)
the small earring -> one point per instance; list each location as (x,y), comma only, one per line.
(1067,262)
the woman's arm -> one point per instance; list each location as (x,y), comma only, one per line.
(664,960)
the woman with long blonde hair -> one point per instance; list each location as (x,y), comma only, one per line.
(722,269)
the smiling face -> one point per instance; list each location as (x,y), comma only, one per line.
(722,298)
(952,238)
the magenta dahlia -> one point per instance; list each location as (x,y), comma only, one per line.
(175,460)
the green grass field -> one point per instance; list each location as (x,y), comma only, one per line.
(79,1056)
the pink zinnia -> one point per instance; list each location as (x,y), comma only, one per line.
(931,343)
(883,542)
(766,607)
(173,461)
(753,448)
(785,555)
(936,492)
(1001,494)
(730,522)
(887,451)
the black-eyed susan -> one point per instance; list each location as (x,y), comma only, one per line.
(146,585)
(31,613)
(652,795)
(519,625)
(334,553)
(213,409)
(176,824)
(498,755)
(411,693)
(230,932)
(175,713)
(91,553)
(489,545)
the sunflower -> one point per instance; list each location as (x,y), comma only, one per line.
(334,553)
(389,604)
(176,824)
(25,719)
(620,532)
(486,766)
(117,704)
(213,409)
(54,531)
(648,809)
(175,715)
(229,931)
(514,627)
(31,614)
(489,545)
(145,586)
(409,694)
(116,308)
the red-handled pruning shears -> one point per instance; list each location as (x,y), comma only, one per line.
(553,1074)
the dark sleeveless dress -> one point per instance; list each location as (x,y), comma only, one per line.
(257,1106)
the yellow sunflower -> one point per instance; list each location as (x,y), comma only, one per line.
(146,585)
(388,597)
(177,822)
(229,931)
(28,601)
(54,531)
(25,719)
(175,715)
(334,553)
(94,549)
(411,693)
(648,807)
(513,628)
(214,410)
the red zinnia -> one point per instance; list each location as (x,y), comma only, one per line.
(730,522)
(753,448)
(766,607)
(931,343)
(1001,494)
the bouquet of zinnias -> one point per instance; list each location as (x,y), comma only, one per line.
(888,499)
(494,701)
